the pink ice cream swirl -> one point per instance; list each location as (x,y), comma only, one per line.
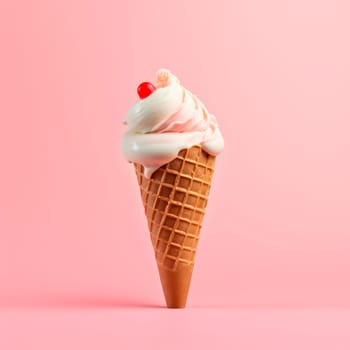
(168,120)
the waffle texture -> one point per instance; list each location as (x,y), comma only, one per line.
(175,198)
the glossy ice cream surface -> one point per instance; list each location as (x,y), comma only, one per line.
(170,119)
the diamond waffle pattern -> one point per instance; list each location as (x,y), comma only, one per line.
(174,199)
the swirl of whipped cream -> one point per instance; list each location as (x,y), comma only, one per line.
(167,121)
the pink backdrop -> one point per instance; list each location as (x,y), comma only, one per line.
(275,73)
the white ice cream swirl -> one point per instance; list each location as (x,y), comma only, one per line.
(167,121)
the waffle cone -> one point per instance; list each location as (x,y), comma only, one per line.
(174,199)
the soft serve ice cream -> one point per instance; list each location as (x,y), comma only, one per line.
(167,119)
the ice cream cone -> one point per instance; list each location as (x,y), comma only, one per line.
(173,141)
(174,198)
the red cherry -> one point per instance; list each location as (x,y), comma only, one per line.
(145,89)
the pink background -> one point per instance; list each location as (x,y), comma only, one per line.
(277,232)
